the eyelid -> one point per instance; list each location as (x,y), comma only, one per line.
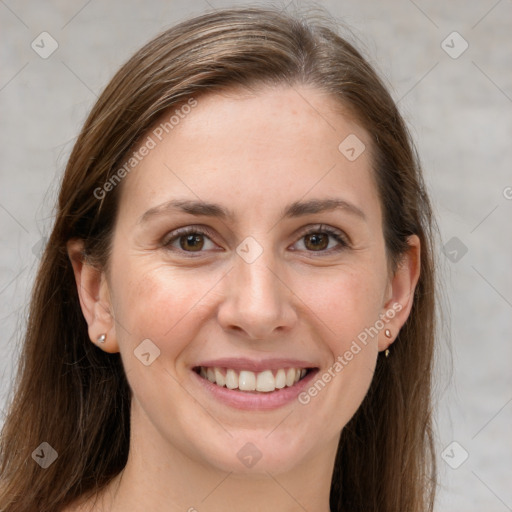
(195,229)
(340,236)
(322,228)
(343,241)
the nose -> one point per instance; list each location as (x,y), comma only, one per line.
(257,301)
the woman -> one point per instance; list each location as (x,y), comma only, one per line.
(236,306)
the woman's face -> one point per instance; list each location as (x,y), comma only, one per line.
(247,295)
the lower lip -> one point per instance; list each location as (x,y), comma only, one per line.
(248,400)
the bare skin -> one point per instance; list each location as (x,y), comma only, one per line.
(254,154)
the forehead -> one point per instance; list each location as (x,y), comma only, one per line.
(247,150)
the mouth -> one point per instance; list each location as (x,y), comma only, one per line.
(247,381)
(253,384)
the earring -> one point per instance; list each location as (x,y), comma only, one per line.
(102,338)
(387,332)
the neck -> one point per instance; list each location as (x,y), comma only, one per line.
(160,476)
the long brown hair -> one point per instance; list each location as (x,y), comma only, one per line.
(75,397)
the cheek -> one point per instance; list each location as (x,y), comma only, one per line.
(347,306)
(160,303)
(347,302)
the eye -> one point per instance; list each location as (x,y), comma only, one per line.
(189,239)
(316,239)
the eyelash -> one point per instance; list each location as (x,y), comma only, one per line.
(319,229)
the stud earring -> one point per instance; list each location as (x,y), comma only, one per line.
(102,338)
(387,333)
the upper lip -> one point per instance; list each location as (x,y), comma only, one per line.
(255,365)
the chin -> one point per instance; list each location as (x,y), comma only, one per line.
(255,452)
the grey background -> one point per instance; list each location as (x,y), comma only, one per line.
(460,114)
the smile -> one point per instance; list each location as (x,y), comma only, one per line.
(265,381)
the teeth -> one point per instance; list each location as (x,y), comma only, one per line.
(280,379)
(231,379)
(210,374)
(247,381)
(290,377)
(219,377)
(265,381)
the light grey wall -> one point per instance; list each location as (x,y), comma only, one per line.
(460,112)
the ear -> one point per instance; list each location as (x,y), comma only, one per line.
(94,297)
(400,296)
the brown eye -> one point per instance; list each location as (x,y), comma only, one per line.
(189,240)
(316,241)
(193,242)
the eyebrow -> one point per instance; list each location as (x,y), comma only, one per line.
(295,209)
